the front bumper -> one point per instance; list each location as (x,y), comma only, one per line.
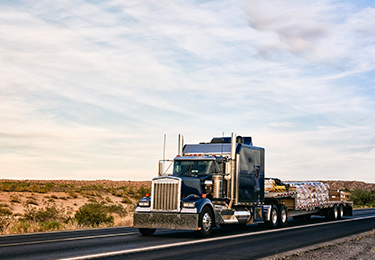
(166,220)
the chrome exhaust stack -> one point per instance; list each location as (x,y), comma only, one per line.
(180,144)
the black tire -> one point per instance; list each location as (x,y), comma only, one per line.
(274,219)
(282,215)
(332,213)
(147,231)
(341,212)
(327,214)
(205,222)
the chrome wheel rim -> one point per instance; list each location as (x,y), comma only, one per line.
(206,222)
(283,216)
(274,217)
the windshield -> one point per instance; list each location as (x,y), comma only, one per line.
(192,168)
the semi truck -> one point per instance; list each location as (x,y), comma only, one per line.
(222,183)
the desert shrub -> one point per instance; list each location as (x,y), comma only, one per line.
(4,210)
(88,194)
(108,199)
(15,199)
(48,213)
(22,186)
(117,209)
(5,217)
(131,191)
(126,200)
(5,221)
(31,201)
(99,187)
(93,200)
(50,225)
(141,192)
(21,226)
(72,194)
(362,198)
(54,197)
(93,214)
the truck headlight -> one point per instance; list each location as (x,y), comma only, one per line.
(188,204)
(144,204)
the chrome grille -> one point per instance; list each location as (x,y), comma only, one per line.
(166,194)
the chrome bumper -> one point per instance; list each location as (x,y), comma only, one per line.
(166,220)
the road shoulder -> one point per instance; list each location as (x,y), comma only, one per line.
(358,245)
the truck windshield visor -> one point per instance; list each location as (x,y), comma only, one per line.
(192,168)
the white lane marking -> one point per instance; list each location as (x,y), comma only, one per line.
(135,250)
(67,239)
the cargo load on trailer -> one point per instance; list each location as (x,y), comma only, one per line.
(223,183)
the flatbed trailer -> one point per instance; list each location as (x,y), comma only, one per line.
(222,183)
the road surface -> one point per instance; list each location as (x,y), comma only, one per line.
(250,242)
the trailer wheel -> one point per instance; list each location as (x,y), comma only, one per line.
(341,212)
(335,212)
(147,231)
(274,221)
(282,215)
(205,222)
(332,213)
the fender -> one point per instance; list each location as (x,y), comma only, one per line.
(201,203)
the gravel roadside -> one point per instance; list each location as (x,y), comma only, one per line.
(359,246)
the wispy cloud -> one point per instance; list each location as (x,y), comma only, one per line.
(89,89)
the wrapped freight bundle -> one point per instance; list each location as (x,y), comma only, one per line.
(303,194)
(310,193)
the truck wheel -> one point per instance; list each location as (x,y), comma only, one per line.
(205,222)
(274,221)
(341,212)
(147,231)
(282,216)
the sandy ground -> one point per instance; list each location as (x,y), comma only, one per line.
(360,246)
(59,198)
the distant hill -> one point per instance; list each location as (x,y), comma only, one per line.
(350,185)
(335,185)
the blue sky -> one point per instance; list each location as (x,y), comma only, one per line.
(89,88)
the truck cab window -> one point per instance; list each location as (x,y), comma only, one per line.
(192,168)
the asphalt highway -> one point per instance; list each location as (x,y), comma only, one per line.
(250,242)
